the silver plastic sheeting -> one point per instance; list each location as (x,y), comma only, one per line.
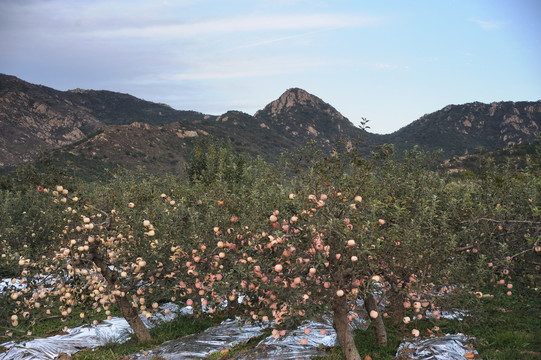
(6,284)
(228,334)
(116,330)
(448,347)
(198,346)
(454,314)
(77,339)
(290,346)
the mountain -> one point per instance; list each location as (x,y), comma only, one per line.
(35,117)
(517,157)
(300,115)
(166,147)
(114,128)
(462,129)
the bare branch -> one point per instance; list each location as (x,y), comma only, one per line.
(507,221)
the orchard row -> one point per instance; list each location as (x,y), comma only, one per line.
(273,245)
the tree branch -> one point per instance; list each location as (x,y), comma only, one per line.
(507,221)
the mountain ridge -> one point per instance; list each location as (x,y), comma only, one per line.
(116,127)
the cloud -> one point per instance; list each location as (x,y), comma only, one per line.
(241,67)
(275,40)
(486,25)
(248,23)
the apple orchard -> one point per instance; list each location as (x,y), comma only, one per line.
(271,245)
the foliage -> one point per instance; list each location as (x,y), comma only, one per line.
(276,249)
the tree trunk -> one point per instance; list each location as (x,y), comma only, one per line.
(397,305)
(371,304)
(132,317)
(128,312)
(343,330)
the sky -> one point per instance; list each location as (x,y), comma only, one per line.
(388,61)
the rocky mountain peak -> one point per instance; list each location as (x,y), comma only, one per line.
(296,97)
(302,116)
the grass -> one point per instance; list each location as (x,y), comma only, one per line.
(53,325)
(510,329)
(504,329)
(178,327)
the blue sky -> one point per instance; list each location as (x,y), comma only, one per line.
(387,61)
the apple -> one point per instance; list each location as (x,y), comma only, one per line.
(373,314)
